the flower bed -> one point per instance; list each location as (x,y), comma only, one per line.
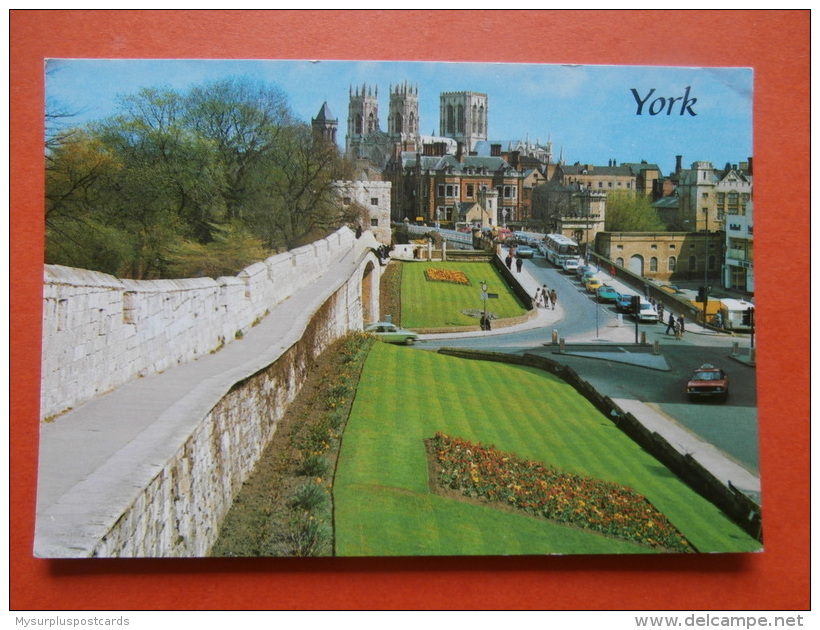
(605,507)
(446,275)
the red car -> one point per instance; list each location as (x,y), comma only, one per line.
(708,381)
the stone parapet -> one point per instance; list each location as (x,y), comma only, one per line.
(100,331)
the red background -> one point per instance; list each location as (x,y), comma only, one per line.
(774,43)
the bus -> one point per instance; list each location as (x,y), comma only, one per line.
(558,248)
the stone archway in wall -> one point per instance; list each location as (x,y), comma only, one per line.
(370,294)
(636,264)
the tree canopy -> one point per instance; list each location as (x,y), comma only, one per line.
(196,183)
(631,212)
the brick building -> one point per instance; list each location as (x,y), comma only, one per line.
(665,256)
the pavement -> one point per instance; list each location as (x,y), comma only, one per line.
(97,457)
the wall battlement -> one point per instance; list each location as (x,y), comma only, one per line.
(100,331)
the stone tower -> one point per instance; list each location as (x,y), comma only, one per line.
(403,117)
(363,117)
(325,125)
(464,117)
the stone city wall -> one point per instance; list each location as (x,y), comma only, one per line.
(100,331)
(178,512)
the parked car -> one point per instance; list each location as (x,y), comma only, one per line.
(587,275)
(570,265)
(524,251)
(708,381)
(607,294)
(647,312)
(582,269)
(624,303)
(389,332)
(593,284)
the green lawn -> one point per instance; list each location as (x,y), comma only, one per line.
(426,304)
(383,504)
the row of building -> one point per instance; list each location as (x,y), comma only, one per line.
(461,178)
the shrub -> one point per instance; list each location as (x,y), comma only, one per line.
(313,465)
(309,498)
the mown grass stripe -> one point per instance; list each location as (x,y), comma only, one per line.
(383,506)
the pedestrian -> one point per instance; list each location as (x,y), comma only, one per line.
(485,321)
(553,298)
(677,329)
(508,261)
(612,271)
(660,310)
(519,262)
(680,325)
(670,324)
(537,299)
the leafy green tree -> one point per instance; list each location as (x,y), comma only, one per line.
(175,181)
(631,212)
(231,249)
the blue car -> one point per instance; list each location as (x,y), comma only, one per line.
(623,304)
(607,294)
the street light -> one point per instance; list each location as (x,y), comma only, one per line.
(484,297)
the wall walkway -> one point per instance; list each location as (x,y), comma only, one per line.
(151,468)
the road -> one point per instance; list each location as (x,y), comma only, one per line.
(730,426)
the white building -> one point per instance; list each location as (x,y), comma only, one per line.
(738,270)
(374,196)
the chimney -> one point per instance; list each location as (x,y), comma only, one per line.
(678,165)
(495,150)
(460,151)
(750,166)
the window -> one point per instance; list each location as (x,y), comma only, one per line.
(346,201)
(653,246)
(653,263)
(374,223)
(374,201)
(711,263)
(693,263)
(619,262)
(672,263)
(672,246)
(619,247)
(440,190)
(470,190)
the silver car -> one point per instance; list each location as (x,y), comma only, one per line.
(389,332)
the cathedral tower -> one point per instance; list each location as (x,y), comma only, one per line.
(363,117)
(403,117)
(464,117)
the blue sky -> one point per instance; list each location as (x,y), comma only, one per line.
(587,111)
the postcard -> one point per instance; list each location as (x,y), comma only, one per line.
(358,308)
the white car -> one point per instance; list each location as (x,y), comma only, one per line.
(570,265)
(647,312)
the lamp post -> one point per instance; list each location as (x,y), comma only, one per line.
(484,296)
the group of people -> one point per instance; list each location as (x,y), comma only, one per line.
(519,262)
(545,298)
(675,324)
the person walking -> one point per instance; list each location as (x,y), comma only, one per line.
(680,326)
(553,298)
(519,262)
(538,300)
(508,261)
(670,323)
(660,310)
